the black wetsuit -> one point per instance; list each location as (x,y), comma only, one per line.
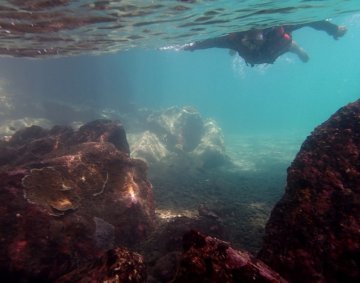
(272,46)
(276,41)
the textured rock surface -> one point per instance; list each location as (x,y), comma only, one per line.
(313,234)
(66,196)
(177,134)
(117,265)
(207,259)
(211,149)
(182,127)
(149,147)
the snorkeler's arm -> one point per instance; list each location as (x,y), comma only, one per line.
(327,26)
(330,28)
(299,51)
(218,42)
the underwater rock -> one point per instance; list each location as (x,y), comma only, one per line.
(104,234)
(163,248)
(207,259)
(313,234)
(182,128)
(178,134)
(9,127)
(103,131)
(165,267)
(117,265)
(55,195)
(67,196)
(211,149)
(148,146)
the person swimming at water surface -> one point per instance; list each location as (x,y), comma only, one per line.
(266,45)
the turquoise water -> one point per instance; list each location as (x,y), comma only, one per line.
(265,112)
(273,103)
(288,97)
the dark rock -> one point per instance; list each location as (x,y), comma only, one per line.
(208,259)
(163,247)
(66,197)
(313,234)
(8,125)
(27,135)
(104,130)
(166,267)
(117,265)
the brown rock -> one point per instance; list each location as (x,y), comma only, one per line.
(68,196)
(313,234)
(208,259)
(117,265)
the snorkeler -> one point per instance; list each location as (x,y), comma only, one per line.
(265,46)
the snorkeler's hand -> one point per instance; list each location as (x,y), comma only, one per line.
(341,30)
(303,55)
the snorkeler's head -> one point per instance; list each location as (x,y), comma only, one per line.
(253,39)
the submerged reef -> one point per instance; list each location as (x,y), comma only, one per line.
(72,200)
(313,234)
(67,196)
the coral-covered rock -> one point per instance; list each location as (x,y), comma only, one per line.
(313,234)
(67,196)
(117,265)
(207,259)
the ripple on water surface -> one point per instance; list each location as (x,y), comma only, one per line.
(64,27)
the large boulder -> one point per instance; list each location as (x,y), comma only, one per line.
(149,147)
(66,197)
(177,134)
(313,234)
(181,128)
(210,151)
(207,259)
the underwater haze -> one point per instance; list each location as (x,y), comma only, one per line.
(283,98)
(265,112)
(71,62)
